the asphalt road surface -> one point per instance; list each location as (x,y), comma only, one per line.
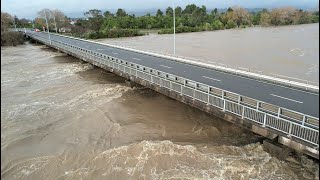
(290,98)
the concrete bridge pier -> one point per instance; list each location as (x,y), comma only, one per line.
(132,83)
(276,149)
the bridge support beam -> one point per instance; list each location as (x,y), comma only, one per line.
(132,84)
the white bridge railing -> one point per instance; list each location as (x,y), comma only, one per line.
(288,122)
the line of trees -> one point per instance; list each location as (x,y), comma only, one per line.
(191,19)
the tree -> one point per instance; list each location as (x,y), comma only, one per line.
(23,23)
(216,25)
(231,24)
(45,15)
(169,11)
(6,21)
(39,23)
(159,13)
(282,16)
(214,14)
(93,13)
(178,11)
(215,11)
(256,18)
(197,17)
(107,14)
(95,19)
(203,9)
(265,19)
(229,9)
(59,18)
(189,9)
(121,13)
(241,16)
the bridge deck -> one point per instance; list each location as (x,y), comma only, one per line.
(283,96)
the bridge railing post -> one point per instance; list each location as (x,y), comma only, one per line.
(264,120)
(194,91)
(290,130)
(304,120)
(242,114)
(224,101)
(208,100)
(279,112)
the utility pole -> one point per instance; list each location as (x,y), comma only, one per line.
(174,30)
(45,15)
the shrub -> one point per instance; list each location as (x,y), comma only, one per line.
(231,24)
(216,25)
(9,38)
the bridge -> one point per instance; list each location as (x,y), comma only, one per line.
(276,108)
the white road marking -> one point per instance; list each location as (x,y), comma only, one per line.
(137,59)
(290,77)
(211,78)
(114,53)
(246,69)
(165,66)
(99,49)
(286,98)
(264,82)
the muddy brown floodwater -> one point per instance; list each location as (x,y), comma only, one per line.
(62,118)
(290,52)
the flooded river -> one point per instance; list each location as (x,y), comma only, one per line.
(287,51)
(62,118)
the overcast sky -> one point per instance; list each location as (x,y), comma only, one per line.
(29,8)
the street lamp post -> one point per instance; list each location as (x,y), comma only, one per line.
(55,24)
(174,30)
(45,15)
(14,22)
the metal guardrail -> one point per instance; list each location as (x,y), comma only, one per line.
(291,123)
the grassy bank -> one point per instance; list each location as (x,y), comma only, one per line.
(109,33)
(9,38)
